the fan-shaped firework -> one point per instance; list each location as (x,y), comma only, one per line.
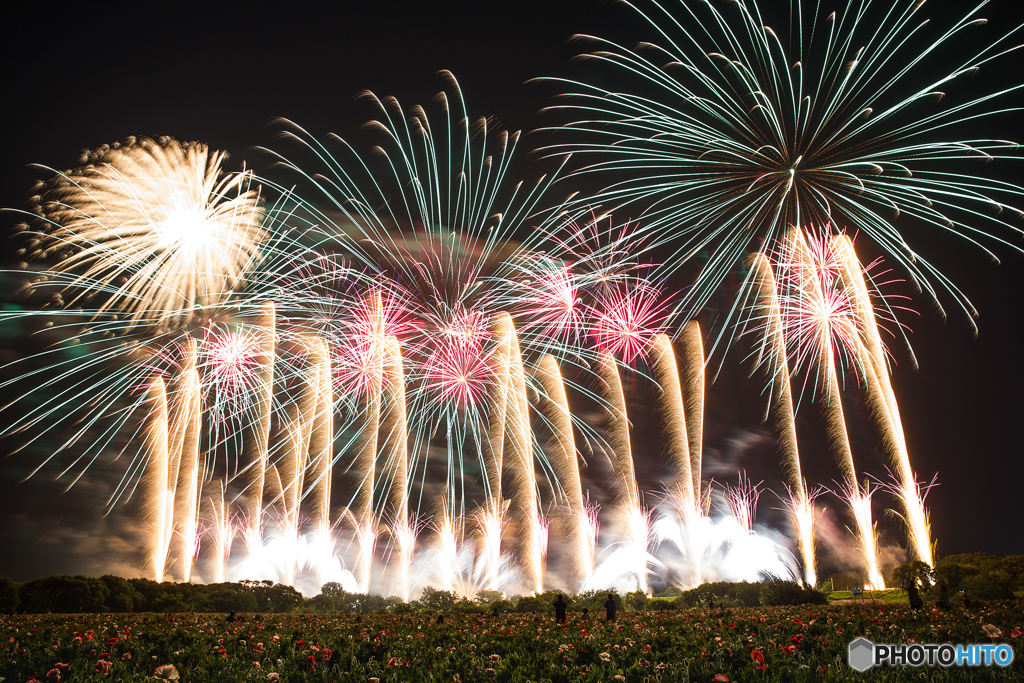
(152,228)
(729,131)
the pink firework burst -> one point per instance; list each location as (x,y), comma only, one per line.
(467,328)
(551,308)
(819,317)
(458,374)
(628,318)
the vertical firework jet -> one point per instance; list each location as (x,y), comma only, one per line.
(628,497)
(493,448)
(372,352)
(772,353)
(884,403)
(221,530)
(692,373)
(159,497)
(579,526)
(396,462)
(317,478)
(186,491)
(519,442)
(256,432)
(829,325)
(666,374)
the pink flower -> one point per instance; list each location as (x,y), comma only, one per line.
(720,678)
(104,667)
(272,677)
(167,672)
(126,656)
(52,676)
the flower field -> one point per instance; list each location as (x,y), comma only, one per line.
(751,644)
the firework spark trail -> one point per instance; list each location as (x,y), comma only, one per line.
(221,530)
(670,403)
(830,330)
(187,489)
(729,132)
(907,490)
(493,448)
(624,477)
(742,501)
(159,497)
(555,406)
(520,465)
(291,464)
(692,373)
(772,354)
(256,431)
(317,478)
(364,464)
(884,399)
(395,454)
(159,222)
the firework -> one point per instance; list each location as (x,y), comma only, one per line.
(154,228)
(566,467)
(257,429)
(159,498)
(884,399)
(772,354)
(730,130)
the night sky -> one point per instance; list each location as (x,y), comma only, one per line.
(221,72)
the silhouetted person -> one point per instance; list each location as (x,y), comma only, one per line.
(967,600)
(610,607)
(585,614)
(560,610)
(440,619)
(943,595)
(913,597)
(231,618)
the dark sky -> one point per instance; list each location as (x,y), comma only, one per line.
(220,72)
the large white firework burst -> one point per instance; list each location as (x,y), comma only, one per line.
(150,228)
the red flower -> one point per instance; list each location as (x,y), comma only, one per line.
(112,641)
(720,678)
(1015,633)
(757,656)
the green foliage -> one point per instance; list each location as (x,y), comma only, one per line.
(121,595)
(983,576)
(8,596)
(62,594)
(723,593)
(531,604)
(779,592)
(916,571)
(437,601)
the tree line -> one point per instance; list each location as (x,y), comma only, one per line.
(982,576)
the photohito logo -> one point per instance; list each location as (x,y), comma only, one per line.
(863,654)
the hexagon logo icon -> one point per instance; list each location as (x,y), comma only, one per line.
(861,655)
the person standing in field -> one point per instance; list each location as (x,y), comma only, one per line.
(610,607)
(560,610)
